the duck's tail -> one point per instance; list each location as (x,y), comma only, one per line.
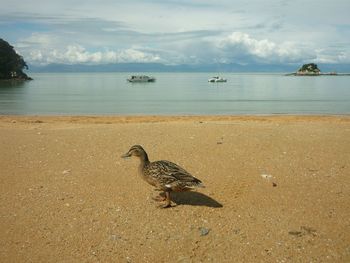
(196,183)
(200,185)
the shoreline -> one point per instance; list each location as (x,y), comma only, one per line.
(316,75)
(109,119)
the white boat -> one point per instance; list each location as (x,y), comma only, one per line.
(217,79)
(141,78)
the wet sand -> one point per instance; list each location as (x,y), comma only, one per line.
(277,189)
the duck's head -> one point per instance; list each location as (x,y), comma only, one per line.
(135,150)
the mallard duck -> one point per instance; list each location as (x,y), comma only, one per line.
(164,175)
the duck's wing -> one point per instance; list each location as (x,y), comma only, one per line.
(171,175)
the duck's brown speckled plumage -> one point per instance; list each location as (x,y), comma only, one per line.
(164,175)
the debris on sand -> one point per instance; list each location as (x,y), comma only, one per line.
(266,176)
(204,231)
(304,230)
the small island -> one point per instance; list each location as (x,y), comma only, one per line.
(11,64)
(311,69)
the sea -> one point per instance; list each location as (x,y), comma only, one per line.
(175,94)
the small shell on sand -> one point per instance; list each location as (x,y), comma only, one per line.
(266,176)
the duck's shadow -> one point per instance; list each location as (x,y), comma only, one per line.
(194,198)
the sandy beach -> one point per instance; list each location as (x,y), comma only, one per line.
(277,189)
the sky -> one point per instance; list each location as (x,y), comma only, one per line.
(178,32)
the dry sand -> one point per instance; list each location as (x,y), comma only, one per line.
(277,189)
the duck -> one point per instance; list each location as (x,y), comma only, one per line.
(164,175)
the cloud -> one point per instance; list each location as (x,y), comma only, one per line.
(195,31)
(242,47)
(179,48)
(44,48)
(240,42)
(176,48)
(79,55)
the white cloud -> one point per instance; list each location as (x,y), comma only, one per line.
(236,47)
(243,42)
(44,48)
(240,45)
(78,55)
(75,54)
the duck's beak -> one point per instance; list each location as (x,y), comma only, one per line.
(127,155)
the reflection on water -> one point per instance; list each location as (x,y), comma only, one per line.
(175,94)
(12,96)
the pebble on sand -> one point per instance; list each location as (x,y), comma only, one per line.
(204,231)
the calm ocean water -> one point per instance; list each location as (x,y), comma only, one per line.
(175,94)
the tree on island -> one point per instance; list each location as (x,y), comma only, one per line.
(11,64)
(309,69)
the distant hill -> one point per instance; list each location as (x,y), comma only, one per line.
(158,67)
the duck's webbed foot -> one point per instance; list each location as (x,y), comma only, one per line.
(165,206)
(160,198)
(167,200)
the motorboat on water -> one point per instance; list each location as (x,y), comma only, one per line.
(141,78)
(217,79)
